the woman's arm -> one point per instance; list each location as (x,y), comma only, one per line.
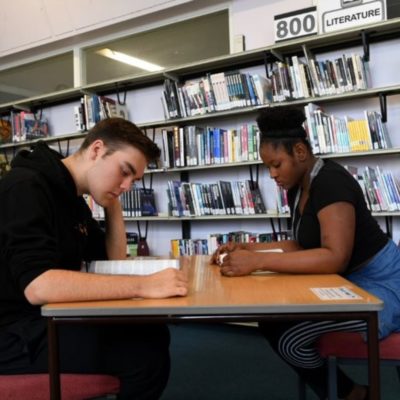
(285,245)
(337,224)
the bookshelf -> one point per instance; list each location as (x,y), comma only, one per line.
(181,226)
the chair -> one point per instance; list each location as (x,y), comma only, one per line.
(73,386)
(350,348)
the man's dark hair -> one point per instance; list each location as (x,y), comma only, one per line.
(117,133)
(282,126)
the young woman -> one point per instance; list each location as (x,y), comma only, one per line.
(333,232)
(47,231)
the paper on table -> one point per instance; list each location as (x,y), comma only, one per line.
(335,293)
(134,266)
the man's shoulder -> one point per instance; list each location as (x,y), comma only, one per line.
(20,177)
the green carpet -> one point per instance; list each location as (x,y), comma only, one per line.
(230,362)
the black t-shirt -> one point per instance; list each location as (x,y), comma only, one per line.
(43,225)
(335,184)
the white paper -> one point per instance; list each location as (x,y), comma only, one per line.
(335,293)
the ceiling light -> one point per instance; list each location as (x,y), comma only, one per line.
(125,58)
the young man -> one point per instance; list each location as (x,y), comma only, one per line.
(47,231)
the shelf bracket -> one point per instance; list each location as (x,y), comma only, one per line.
(150,183)
(257,173)
(383,106)
(186,234)
(389,226)
(122,101)
(365,42)
(66,154)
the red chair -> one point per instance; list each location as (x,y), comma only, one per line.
(350,348)
(73,386)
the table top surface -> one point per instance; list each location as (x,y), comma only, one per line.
(213,294)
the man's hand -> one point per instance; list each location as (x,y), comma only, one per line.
(169,282)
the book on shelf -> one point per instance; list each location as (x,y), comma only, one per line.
(5,131)
(26,125)
(189,247)
(132,240)
(333,134)
(305,77)
(145,265)
(147,202)
(381,191)
(4,165)
(218,91)
(138,202)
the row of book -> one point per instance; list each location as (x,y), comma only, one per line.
(138,202)
(299,78)
(214,92)
(333,134)
(221,198)
(182,247)
(194,145)
(94,108)
(380,188)
(22,126)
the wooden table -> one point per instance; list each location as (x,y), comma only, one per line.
(213,297)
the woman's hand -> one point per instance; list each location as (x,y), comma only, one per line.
(224,249)
(239,262)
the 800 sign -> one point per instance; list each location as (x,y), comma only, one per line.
(296,24)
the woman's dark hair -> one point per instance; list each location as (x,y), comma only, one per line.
(282,126)
(117,133)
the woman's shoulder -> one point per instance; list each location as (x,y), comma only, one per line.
(332,170)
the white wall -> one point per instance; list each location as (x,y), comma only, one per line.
(25,24)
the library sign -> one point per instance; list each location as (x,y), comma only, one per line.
(295,24)
(342,14)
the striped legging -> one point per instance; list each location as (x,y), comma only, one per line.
(295,344)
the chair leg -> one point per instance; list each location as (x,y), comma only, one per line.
(398,372)
(332,378)
(301,388)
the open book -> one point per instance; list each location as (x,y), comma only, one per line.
(261,271)
(134,266)
(222,256)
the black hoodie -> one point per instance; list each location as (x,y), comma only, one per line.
(44,225)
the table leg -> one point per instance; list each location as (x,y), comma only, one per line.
(54,371)
(373,357)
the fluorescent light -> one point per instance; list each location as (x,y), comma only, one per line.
(136,62)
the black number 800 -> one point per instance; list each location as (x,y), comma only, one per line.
(295,26)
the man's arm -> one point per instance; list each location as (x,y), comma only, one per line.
(115,232)
(56,285)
